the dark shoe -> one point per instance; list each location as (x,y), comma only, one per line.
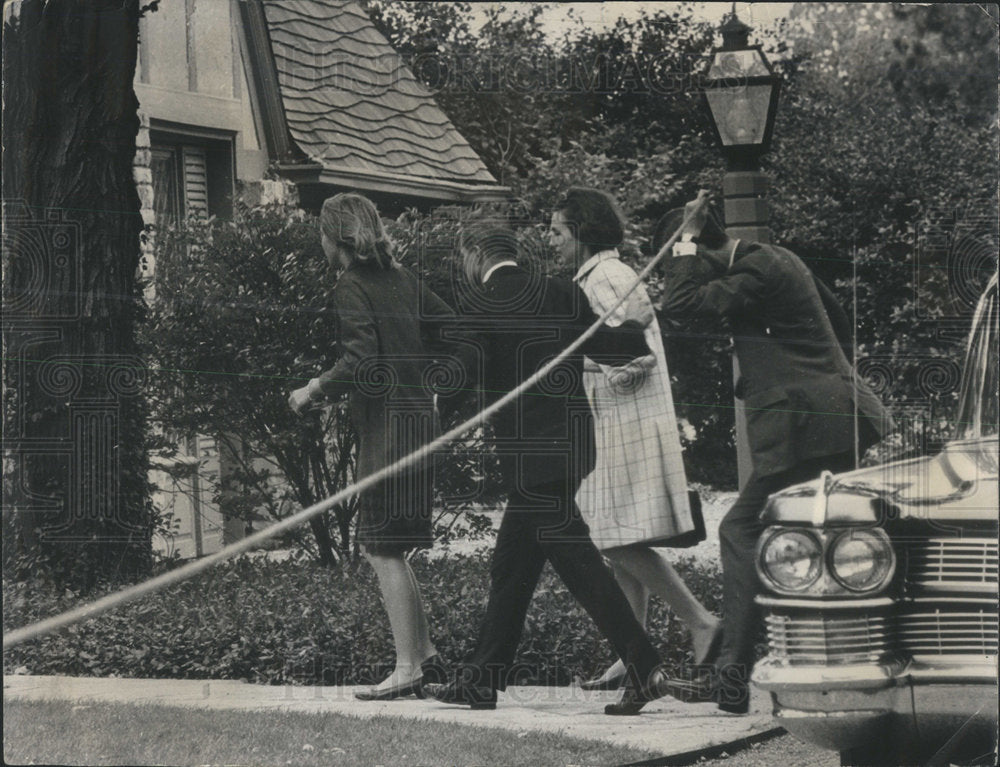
(729,691)
(434,671)
(391,693)
(633,699)
(476,698)
(699,687)
(733,695)
(600,683)
(739,707)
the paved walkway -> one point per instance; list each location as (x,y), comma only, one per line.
(666,727)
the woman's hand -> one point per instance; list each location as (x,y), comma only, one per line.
(300,399)
(631,376)
(644,312)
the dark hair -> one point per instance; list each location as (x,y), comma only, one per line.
(352,221)
(495,242)
(595,216)
(712,234)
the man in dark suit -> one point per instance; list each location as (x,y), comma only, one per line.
(806,410)
(519,321)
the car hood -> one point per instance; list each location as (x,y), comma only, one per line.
(959,483)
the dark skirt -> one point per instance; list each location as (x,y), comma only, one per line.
(395,516)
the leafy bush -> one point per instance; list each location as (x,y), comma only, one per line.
(296,622)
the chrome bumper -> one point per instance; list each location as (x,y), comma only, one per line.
(840,707)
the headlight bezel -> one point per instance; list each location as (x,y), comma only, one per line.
(826,584)
(769,540)
(879,535)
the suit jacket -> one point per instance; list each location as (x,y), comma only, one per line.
(521,323)
(799,388)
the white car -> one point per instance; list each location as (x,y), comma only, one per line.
(880,593)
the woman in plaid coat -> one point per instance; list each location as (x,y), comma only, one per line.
(636,498)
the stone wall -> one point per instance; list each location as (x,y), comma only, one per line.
(266,191)
(141,171)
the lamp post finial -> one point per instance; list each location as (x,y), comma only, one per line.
(735,34)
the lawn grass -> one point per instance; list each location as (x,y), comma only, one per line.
(59,732)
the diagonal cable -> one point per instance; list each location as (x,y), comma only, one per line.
(139,590)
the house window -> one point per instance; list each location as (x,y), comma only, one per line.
(166,203)
(192,175)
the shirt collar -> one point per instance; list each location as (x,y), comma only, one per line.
(594,260)
(489,272)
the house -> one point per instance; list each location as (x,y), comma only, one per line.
(266,96)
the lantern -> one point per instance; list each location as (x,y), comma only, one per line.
(742,94)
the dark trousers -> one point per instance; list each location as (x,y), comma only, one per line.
(543,523)
(738,534)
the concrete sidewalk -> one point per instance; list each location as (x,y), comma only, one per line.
(666,727)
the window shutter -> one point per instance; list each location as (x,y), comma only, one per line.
(195,181)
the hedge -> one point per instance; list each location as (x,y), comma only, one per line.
(295,622)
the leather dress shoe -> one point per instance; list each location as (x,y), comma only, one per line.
(731,694)
(391,693)
(740,706)
(476,698)
(634,698)
(698,687)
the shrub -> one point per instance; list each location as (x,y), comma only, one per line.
(296,622)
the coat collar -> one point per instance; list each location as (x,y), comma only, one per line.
(594,260)
(742,248)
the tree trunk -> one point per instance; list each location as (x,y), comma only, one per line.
(323,542)
(75,483)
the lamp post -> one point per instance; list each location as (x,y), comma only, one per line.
(741,90)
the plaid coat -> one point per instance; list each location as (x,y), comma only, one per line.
(637,493)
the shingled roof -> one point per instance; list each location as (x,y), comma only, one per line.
(353,114)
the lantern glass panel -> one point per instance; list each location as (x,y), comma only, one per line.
(748,62)
(740,113)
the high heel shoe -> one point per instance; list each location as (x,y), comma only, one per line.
(604,683)
(413,687)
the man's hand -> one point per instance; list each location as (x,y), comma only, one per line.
(696,213)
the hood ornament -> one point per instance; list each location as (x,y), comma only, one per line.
(824,486)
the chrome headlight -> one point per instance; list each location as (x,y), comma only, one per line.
(862,560)
(791,559)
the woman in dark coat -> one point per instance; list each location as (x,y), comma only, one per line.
(385,319)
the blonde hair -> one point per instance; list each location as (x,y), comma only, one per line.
(352,221)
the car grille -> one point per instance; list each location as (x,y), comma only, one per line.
(949,610)
(948,630)
(917,630)
(952,564)
(828,640)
